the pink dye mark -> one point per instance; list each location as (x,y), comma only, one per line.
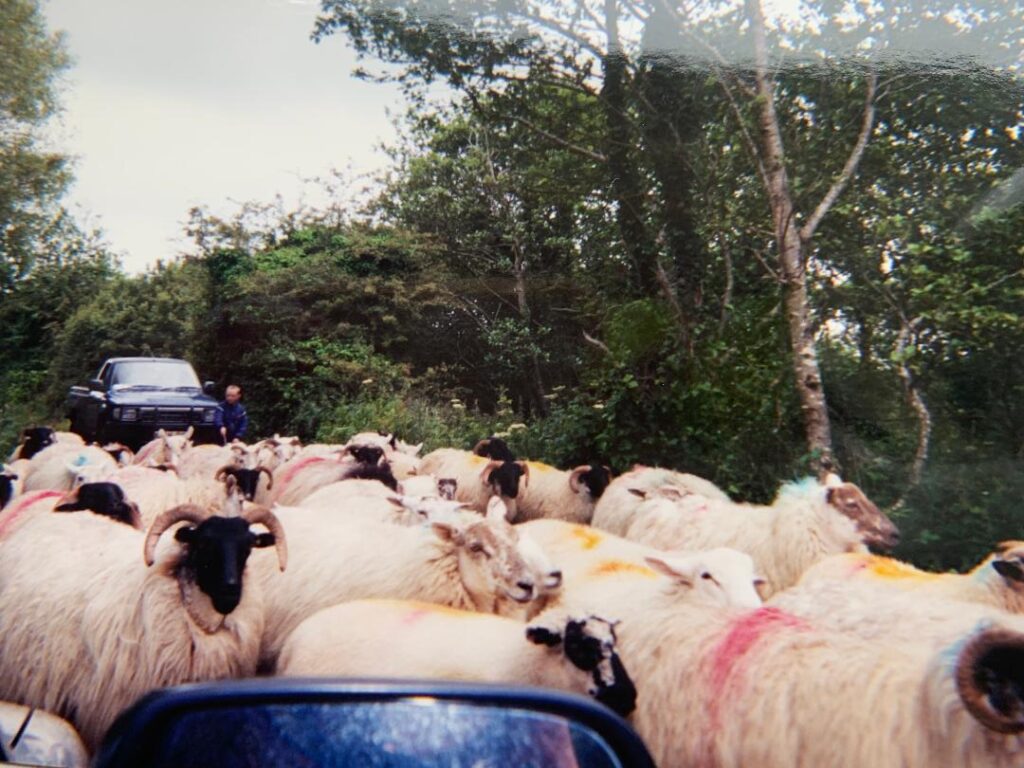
(10,515)
(291,471)
(727,656)
(414,617)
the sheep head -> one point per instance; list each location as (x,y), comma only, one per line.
(105,499)
(874,526)
(215,548)
(248,480)
(494,448)
(1008,561)
(721,576)
(589,644)
(503,476)
(491,564)
(34,439)
(594,477)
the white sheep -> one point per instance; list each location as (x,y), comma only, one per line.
(274,451)
(26,507)
(478,478)
(385,440)
(63,466)
(35,439)
(618,504)
(407,639)
(165,449)
(561,495)
(475,566)
(86,628)
(998,580)
(294,480)
(205,460)
(723,689)
(805,523)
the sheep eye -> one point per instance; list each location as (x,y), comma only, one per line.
(476,547)
(705,575)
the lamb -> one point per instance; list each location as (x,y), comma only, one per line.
(62,466)
(561,495)
(392,638)
(92,630)
(617,507)
(478,478)
(997,581)
(805,523)
(470,565)
(724,688)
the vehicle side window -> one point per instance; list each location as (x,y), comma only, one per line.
(104,374)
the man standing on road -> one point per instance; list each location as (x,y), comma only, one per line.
(231,418)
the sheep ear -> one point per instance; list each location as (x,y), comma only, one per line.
(1009,569)
(261,540)
(638,492)
(676,569)
(447,532)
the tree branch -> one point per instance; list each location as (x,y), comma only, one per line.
(807,230)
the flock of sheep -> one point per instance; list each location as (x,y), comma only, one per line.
(729,634)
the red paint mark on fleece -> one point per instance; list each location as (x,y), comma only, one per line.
(289,472)
(727,656)
(13,512)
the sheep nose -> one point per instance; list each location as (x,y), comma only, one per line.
(526,586)
(554,579)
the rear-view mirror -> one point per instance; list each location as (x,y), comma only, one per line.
(369,724)
(32,737)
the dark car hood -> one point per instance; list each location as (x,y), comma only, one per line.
(162,398)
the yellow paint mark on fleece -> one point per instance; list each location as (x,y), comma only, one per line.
(479,460)
(539,466)
(887,568)
(589,538)
(620,567)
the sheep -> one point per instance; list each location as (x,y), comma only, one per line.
(121,453)
(494,448)
(561,495)
(724,688)
(407,639)
(92,630)
(25,507)
(274,451)
(206,460)
(386,440)
(616,508)
(62,466)
(33,440)
(165,449)
(428,485)
(606,573)
(473,565)
(998,580)
(805,523)
(477,477)
(154,490)
(298,478)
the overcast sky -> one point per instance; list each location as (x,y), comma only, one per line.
(175,104)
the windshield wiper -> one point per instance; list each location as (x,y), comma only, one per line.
(136,386)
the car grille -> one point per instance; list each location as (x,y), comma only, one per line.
(171,417)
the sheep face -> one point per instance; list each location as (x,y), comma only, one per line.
(503,477)
(719,576)
(877,530)
(490,562)
(34,439)
(85,472)
(371,455)
(247,480)
(105,499)
(589,644)
(216,551)
(594,477)
(446,487)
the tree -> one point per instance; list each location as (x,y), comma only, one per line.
(32,179)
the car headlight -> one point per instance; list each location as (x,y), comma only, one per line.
(129,414)
(208,416)
(116,413)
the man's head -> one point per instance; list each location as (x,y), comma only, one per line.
(233,394)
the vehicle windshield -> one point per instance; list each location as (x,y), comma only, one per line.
(165,375)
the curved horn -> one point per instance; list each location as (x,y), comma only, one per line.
(485,473)
(574,477)
(165,520)
(256,514)
(270,476)
(482,444)
(224,472)
(988,668)
(525,466)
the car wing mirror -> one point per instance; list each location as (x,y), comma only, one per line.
(261,723)
(208,387)
(97,384)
